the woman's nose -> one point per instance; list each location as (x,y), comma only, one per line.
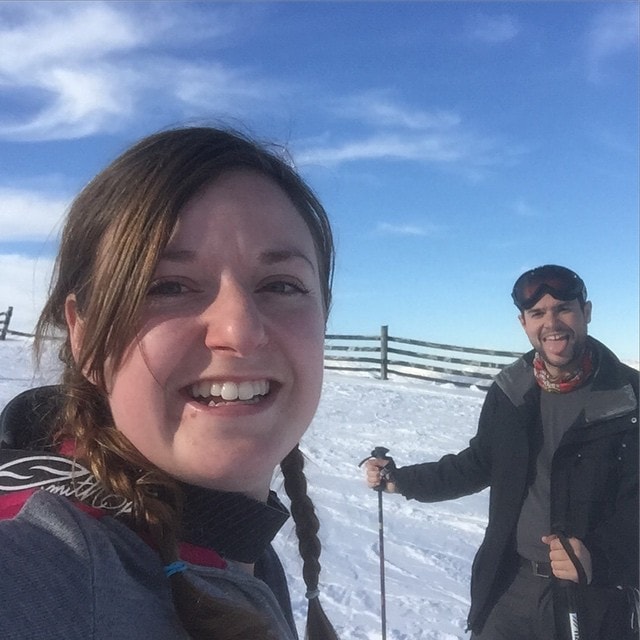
(233,320)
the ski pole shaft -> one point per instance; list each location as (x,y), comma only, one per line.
(383,599)
(574,627)
(380,453)
(571,589)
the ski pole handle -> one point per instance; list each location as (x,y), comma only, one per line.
(380,453)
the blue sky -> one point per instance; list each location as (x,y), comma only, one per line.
(454,144)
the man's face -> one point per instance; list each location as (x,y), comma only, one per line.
(557,330)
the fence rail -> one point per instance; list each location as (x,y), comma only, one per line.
(5,319)
(376,354)
(429,361)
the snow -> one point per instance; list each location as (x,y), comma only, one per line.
(429,548)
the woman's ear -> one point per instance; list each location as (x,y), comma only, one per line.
(75,325)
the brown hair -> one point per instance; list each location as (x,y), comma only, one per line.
(114,234)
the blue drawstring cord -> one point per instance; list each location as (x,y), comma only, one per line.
(175,567)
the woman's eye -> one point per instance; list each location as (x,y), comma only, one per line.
(166,288)
(285,288)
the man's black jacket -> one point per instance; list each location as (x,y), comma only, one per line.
(594,481)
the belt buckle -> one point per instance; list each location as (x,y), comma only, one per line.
(536,571)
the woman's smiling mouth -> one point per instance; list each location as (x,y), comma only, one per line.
(223,392)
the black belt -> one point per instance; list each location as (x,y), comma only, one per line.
(540,569)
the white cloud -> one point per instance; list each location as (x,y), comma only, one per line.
(60,52)
(612,32)
(85,68)
(389,146)
(378,109)
(398,132)
(29,214)
(67,32)
(493,29)
(387,228)
(453,148)
(200,87)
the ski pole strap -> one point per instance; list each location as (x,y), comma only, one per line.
(566,545)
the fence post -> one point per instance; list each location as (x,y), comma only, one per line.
(384,358)
(5,325)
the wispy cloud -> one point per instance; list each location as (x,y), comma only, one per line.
(492,29)
(393,131)
(84,68)
(613,31)
(400,229)
(60,53)
(389,146)
(377,108)
(29,215)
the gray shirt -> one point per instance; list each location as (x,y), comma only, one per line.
(558,412)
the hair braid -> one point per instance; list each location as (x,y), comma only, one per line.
(156,506)
(307,525)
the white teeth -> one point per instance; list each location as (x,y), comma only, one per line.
(246,390)
(230,391)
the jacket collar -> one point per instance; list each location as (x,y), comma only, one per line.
(611,394)
(235,526)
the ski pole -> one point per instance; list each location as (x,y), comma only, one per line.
(380,453)
(574,627)
(571,590)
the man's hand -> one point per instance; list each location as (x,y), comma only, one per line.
(374,469)
(561,563)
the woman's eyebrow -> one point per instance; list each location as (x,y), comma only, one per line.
(275,256)
(178,255)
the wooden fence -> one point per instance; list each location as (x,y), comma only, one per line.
(426,361)
(377,354)
(5,319)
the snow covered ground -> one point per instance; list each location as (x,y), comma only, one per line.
(429,547)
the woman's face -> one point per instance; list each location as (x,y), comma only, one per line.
(226,372)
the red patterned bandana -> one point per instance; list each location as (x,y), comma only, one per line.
(567,382)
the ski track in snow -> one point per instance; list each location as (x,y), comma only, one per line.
(428,548)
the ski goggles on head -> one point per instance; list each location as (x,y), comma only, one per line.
(560,282)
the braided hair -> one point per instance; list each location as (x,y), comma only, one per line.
(307,525)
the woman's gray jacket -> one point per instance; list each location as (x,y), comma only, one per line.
(67,575)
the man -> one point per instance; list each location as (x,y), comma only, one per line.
(557,444)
